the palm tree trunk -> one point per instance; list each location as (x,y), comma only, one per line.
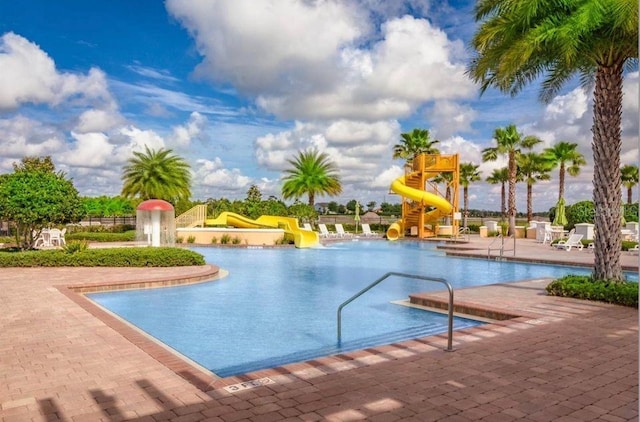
(466,205)
(529,201)
(607,114)
(629,195)
(561,181)
(312,198)
(503,199)
(512,192)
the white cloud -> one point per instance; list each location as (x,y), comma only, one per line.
(344,75)
(22,136)
(95,120)
(450,118)
(89,150)
(213,177)
(182,135)
(29,75)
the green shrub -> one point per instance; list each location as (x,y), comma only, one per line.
(214,240)
(105,257)
(225,239)
(580,212)
(474,228)
(585,287)
(127,236)
(236,240)
(631,212)
(179,239)
(75,246)
(191,239)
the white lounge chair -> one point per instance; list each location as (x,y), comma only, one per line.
(366,230)
(307,226)
(574,241)
(324,232)
(340,231)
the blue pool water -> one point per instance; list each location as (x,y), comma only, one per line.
(279,306)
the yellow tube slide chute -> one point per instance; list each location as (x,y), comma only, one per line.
(443,207)
(301,237)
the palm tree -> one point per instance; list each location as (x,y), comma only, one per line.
(531,168)
(518,42)
(559,155)
(157,174)
(509,142)
(313,173)
(629,177)
(501,176)
(446,179)
(468,174)
(414,143)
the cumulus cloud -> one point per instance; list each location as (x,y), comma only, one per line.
(29,75)
(449,118)
(22,136)
(96,120)
(215,177)
(89,150)
(346,74)
(195,128)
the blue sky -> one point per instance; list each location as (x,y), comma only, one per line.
(238,87)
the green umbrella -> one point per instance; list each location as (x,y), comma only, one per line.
(560,218)
(357,216)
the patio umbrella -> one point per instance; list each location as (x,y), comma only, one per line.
(357,216)
(560,218)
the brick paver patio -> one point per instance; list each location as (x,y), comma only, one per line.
(62,358)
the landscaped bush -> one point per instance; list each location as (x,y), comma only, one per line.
(108,257)
(584,287)
(127,236)
(580,212)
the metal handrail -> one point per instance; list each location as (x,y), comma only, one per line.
(501,248)
(466,231)
(389,274)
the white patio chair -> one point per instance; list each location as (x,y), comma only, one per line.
(307,226)
(366,230)
(56,237)
(341,232)
(574,241)
(324,232)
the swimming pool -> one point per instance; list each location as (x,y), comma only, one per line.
(278,306)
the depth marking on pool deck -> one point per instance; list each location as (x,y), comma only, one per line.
(249,384)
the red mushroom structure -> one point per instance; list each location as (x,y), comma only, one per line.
(155,223)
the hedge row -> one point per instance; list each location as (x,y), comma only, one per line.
(108,257)
(127,236)
(584,287)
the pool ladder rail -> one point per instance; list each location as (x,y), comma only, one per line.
(501,248)
(418,277)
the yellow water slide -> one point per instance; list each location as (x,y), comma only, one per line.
(442,206)
(301,237)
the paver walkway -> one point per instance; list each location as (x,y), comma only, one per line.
(562,360)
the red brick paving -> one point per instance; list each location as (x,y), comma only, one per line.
(61,358)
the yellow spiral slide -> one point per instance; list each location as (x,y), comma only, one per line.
(301,237)
(442,206)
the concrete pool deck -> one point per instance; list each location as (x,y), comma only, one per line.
(560,359)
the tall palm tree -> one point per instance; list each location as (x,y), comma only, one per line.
(518,42)
(629,177)
(413,143)
(509,142)
(157,175)
(531,168)
(501,176)
(446,179)
(468,174)
(313,173)
(560,155)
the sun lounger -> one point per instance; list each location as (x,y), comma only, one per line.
(340,231)
(574,241)
(366,230)
(307,226)
(324,232)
